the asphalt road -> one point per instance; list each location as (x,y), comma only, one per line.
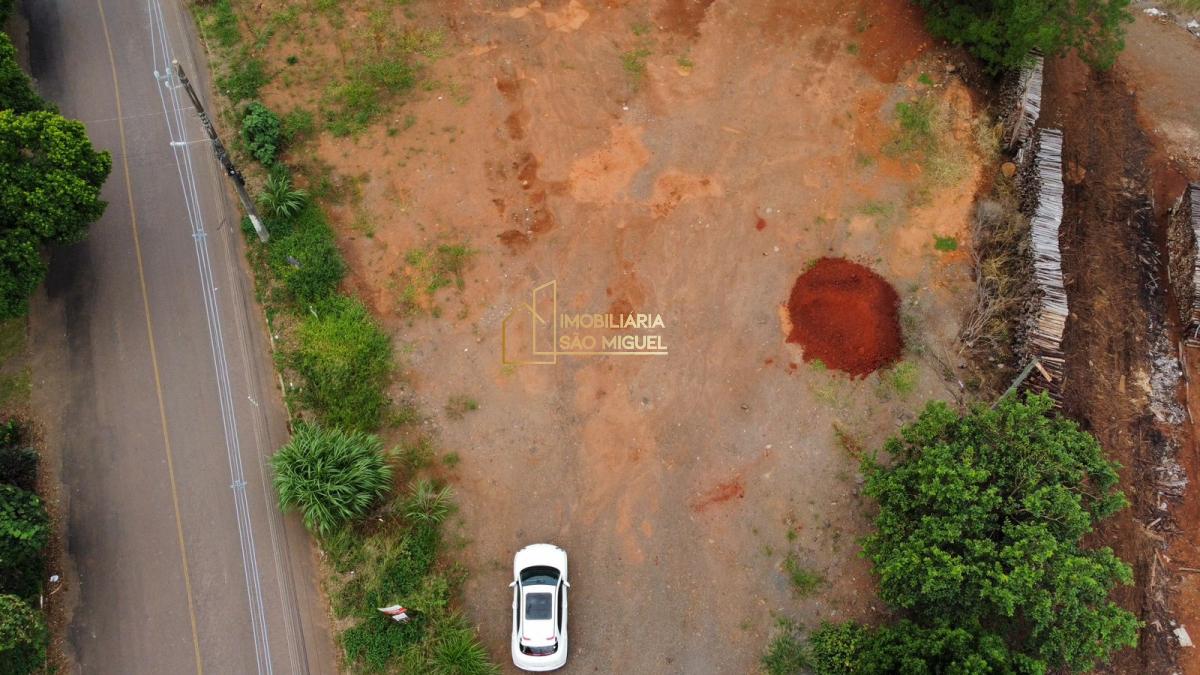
(154,381)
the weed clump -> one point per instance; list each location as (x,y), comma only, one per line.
(345,360)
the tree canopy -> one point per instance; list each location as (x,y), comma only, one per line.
(1003,32)
(50,180)
(23,637)
(978,548)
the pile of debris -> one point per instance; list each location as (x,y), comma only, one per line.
(1041,184)
(1022,101)
(1183,261)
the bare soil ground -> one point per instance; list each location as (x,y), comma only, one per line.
(1121,180)
(686,158)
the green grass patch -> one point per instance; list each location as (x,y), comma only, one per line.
(634,64)
(786,654)
(878,209)
(945,244)
(303,256)
(378,79)
(218,23)
(916,119)
(804,581)
(345,361)
(901,378)
(429,270)
(244,80)
(459,405)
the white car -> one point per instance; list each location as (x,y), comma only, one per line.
(539,633)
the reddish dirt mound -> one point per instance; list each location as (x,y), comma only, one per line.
(845,315)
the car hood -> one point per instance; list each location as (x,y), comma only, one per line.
(540,554)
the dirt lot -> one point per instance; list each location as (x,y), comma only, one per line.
(689,161)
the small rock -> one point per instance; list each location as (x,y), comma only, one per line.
(1008,169)
(1181,634)
(950,67)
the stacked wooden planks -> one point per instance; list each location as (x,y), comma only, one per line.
(1024,103)
(1183,261)
(1042,183)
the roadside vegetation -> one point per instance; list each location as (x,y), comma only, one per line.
(978,551)
(50,180)
(24,534)
(373,511)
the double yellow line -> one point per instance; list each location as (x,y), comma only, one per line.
(162,411)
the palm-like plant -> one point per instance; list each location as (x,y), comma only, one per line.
(331,476)
(457,651)
(279,198)
(428,502)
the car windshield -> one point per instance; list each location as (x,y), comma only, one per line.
(539,576)
(538,606)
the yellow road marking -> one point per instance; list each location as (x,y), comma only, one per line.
(162,410)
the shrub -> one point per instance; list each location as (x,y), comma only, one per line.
(835,648)
(980,525)
(23,637)
(24,532)
(331,476)
(297,124)
(262,132)
(306,259)
(18,466)
(345,360)
(786,654)
(280,199)
(1003,32)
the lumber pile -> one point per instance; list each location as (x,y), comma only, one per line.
(1046,316)
(1023,103)
(1183,261)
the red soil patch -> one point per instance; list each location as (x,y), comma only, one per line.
(720,494)
(845,315)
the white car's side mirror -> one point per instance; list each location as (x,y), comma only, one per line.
(512,583)
(566,583)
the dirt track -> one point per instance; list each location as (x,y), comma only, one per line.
(1119,186)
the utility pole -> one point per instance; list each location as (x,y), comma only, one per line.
(239,183)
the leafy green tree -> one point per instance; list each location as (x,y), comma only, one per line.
(50,180)
(50,177)
(1002,32)
(23,637)
(16,91)
(262,132)
(980,525)
(331,476)
(21,270)
(24,532)
(346,361)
